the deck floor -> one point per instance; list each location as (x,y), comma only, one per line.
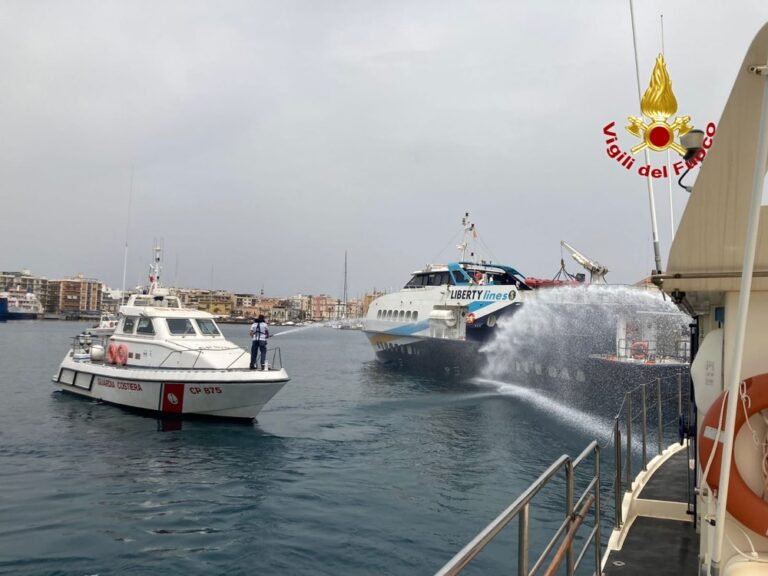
(657,546)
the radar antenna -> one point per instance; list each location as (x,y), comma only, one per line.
(596,270)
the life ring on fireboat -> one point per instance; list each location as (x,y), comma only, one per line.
(121,355)
(639,350)
(112,353)
(470,318)
(743,504)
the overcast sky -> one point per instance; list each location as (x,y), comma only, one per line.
(266,139)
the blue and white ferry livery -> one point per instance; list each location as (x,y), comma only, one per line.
(445,312)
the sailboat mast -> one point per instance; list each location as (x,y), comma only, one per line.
(345,286)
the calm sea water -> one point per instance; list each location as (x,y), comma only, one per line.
(350,469)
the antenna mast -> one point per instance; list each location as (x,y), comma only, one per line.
(127,228)
(651,200)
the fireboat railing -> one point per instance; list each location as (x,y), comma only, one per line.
(575,513)
(659,415)
(644,405)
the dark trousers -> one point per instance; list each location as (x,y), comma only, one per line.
(256,346)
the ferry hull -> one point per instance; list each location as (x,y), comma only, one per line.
(569,374)
(235,394)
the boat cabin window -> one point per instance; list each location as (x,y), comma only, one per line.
(430,279)
(129,324)
(142,301)
(145,326)
(208,327)
(180,326)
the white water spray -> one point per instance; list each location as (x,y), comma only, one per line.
(552,341)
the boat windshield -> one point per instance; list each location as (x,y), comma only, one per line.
(180,326)
(430,279)
(207,327)
(129,324)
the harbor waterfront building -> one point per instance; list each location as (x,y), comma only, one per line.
(27,282)
(75,297)
(78,296)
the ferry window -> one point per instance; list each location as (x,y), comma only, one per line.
(408,316)
(180,326)
(415,316)
(145,326)
(129,324)
(208,327)
(402,315)
(141,302)
(389,314)
(378,314)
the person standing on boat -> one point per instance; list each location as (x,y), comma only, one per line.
(259,333)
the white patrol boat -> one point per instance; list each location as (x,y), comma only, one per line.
(170,360)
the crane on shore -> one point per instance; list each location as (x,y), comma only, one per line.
(596,270)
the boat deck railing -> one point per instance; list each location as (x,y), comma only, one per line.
(651,417)
(653,350)
(83,344)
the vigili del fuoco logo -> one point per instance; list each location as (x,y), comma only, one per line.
(658,134)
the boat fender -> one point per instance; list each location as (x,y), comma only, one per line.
(470,318)
(639,350)
(744,504)
(112,353)
(122,354)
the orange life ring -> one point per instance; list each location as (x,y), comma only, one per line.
(639,350)
(112,353)
(121,355)
(470,318)
(746,506)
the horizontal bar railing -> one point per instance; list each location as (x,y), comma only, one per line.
(520,509)
(661,412)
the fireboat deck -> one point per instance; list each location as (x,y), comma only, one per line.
(660,546)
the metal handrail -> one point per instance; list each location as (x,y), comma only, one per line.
(520,509)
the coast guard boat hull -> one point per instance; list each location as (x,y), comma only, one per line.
(203,393)
(168,360)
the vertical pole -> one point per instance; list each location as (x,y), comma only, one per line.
(734,375)
(669,155)
(645,429)
(522,542)
(629,441)
(651,200)
(598,512)
(659,415)
(569,511)
(617,480)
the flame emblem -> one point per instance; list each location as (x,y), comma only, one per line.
(658,104)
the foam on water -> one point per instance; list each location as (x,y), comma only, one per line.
(591,424)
